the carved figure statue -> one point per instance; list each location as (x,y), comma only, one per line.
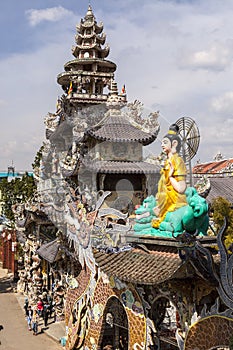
(175,208)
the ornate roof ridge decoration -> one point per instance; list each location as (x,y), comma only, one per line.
(118,129)
(147,123)
(103,51)
(119,126)
(203,186)
(53,121)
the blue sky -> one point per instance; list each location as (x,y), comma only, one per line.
(173,56)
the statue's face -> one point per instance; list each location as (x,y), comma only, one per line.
(166,145)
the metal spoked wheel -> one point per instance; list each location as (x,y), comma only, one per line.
(190,137)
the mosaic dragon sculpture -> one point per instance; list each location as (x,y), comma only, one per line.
(191,217)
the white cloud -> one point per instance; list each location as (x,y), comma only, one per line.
(223,103)
(217,57)
(216,137)
(53,14)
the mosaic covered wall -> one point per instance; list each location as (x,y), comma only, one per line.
(89,306)
(210,333)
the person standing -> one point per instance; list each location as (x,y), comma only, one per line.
(29,317)
(26,304)
(40,307)
(35,322)
(50,301)
(46,312)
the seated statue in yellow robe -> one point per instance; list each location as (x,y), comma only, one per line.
(172,183)
(175,209)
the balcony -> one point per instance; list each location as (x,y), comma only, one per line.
(89,98)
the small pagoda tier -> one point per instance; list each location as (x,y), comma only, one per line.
(118,129)
(87,78)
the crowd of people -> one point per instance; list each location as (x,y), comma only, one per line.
(43,309)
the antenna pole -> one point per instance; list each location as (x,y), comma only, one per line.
(190,173)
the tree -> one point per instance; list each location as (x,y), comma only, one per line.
(18,190)
(38,158)
(221,209)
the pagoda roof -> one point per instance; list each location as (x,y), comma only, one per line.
(88,24)
(78,61)
(121,167)
(138,266)
(153,260)
(102,51)
(99,38)
(89,21)
(118,129)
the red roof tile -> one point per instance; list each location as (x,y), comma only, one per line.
(216,167)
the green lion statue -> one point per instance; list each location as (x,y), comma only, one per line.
(191,217)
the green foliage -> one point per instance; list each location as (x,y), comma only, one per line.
(222,209)
(38,158)
(19,190)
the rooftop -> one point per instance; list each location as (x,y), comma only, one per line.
(152,260)
(118,167)
(118,129)
(220,187)
(4,174)
(223,167)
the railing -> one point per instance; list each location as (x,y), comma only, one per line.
(88,96)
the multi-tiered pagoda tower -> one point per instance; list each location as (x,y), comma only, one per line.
(87,78)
